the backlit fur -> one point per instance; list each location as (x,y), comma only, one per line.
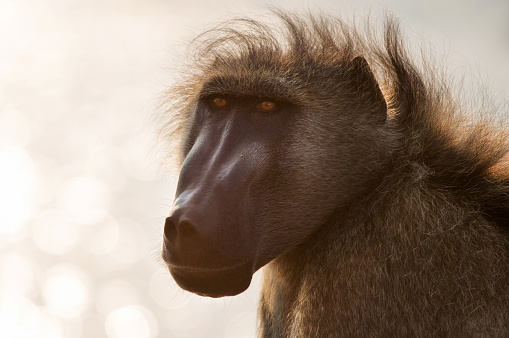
(425,250)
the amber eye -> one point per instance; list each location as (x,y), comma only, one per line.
(219,102)
(267,106)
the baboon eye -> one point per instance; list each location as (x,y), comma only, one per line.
(267,106)
(219,102)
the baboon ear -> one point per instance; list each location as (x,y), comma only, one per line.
(367,88)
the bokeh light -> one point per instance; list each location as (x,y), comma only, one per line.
(21,318)
(115,294)
(14,127)
(17,275)
(84,200)
(17,178)
(101,238)
(54,233)
(66,291)
(136,149)
(131,322)
(131,244)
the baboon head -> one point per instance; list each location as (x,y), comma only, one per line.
(280,136)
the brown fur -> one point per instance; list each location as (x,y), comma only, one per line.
(419,244)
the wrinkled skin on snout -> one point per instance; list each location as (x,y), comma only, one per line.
(208,237)
(255,183)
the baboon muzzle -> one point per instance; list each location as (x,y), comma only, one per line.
(206,236)
(196,253)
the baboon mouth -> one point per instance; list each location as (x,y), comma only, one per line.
(184,268)
(213,282)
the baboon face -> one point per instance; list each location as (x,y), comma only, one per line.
(260,175)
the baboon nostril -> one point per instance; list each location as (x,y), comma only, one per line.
(186,228)
(175,227)
(170,230)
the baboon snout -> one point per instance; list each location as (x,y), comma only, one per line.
(197,250)
(190,229)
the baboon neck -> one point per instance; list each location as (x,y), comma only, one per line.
(397,247)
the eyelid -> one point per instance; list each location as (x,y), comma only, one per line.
(267,105)
(218,102)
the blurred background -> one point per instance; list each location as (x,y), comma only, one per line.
(82,196)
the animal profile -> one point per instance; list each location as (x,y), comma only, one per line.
(324,154)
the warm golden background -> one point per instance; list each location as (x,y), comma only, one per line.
(82,202)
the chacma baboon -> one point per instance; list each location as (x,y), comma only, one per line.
(339,165)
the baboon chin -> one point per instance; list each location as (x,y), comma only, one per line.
(324,154)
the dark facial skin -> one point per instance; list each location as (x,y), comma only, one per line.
(208,237)
(256,180)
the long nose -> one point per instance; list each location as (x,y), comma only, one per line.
(210,211)
(191,231)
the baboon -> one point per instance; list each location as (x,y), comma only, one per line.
(322,152)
